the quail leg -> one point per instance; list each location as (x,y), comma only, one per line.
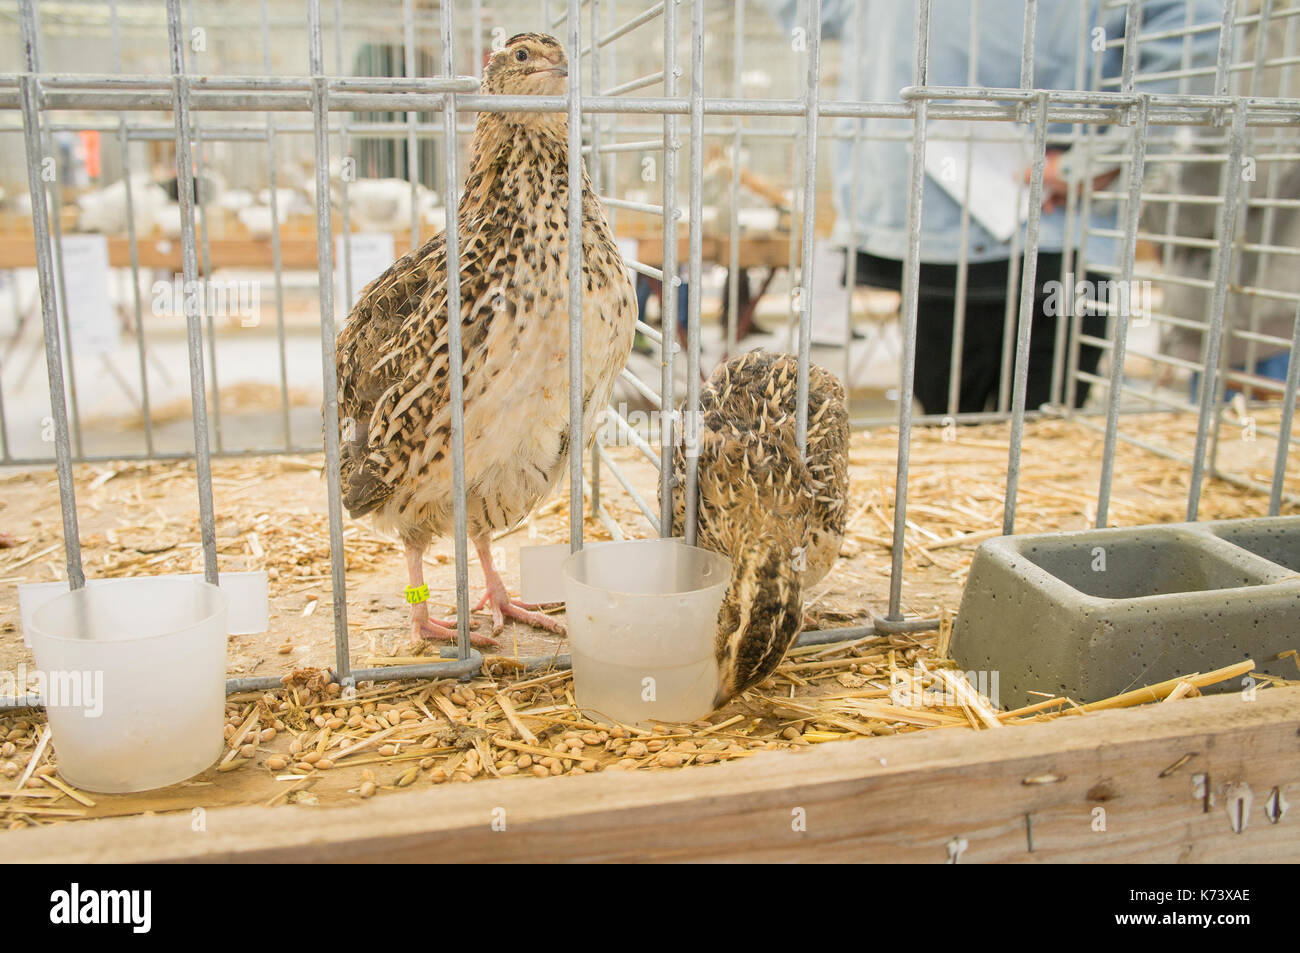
(422,627)
(503,606)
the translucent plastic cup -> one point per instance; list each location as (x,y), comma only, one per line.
(134,681)
(642,618)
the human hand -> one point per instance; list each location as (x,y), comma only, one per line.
(1056,188)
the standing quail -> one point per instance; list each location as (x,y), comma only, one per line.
(394,404)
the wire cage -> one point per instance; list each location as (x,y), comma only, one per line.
(1204,149)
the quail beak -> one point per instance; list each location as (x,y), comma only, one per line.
(560,71)
(721,697)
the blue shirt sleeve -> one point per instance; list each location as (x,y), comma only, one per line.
(835,14)
(1166,54)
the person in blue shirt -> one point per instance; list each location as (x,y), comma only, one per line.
(877,65)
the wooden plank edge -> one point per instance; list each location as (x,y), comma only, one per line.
(1161,783)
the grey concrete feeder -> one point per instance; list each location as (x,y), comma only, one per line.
(1094,613)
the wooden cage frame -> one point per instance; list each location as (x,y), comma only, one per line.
(1203,780)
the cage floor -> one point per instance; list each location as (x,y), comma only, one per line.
(141,519)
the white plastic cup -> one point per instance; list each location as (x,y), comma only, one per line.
(643,618)
(247,611)
(134,681)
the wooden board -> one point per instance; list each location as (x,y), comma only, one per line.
(1161,780)
(297,250)
(759,252)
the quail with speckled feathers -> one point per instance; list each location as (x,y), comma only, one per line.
(394,392)
(778,514)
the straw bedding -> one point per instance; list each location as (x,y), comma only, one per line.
(305,743)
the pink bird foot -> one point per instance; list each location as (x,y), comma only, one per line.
(503,606)
(442,630)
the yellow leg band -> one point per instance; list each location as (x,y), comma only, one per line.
(416,594)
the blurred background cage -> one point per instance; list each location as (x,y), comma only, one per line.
(196,192)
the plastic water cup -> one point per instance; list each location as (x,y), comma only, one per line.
(134,681)
(643,618)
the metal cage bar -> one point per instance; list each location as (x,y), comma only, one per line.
(911,290)
(189,264)
(31,97)
(1119,339)
(808,232)
(691,421)
(576,177)
(455,370)
(1284,427)
(329,368)
(668,321)
(1027,286)
(1225,228)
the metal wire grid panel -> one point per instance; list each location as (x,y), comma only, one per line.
(1237,119)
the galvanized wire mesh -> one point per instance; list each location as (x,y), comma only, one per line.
(1236,114)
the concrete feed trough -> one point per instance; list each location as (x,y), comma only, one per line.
(1277,540)
(1094,613)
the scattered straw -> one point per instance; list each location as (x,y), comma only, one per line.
(506,724)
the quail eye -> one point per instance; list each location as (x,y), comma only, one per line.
(521,55)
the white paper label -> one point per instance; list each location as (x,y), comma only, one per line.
(372,254)
(92,326)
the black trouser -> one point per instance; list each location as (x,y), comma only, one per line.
(982,341)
